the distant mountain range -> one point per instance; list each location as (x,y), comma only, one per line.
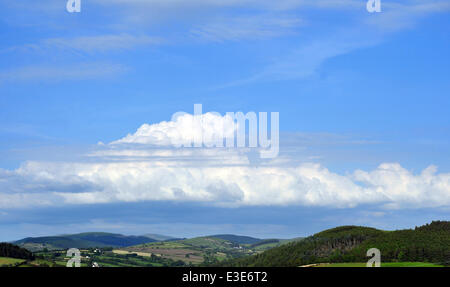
(103,239)
(86,240)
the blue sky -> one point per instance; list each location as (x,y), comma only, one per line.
(363,100)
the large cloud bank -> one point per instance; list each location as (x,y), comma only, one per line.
(39,183)
(128,171)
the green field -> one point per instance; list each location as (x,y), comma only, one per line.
(410,264)
(103,258)
(387,264)
(10,261)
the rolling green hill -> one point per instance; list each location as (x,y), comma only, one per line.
(429,243)
(81,240)
(196,250)
(237,238)
(204,250)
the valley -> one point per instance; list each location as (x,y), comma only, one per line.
(344,246)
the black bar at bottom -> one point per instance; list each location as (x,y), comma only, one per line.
(201,277)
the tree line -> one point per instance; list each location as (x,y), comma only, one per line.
(14,251)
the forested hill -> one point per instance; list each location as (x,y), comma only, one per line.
(14,251)
(428,243)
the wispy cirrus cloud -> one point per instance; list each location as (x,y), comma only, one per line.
(102,43)
(267,20)
(397,16)
(306,59)
(52,73)
(246,28)
(89,44)
(77,46)
(258,4)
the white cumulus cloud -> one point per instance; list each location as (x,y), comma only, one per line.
(184,130)
(145,166)
(228,184)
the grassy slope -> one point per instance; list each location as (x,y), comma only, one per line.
(386,264)
(10,261)
(267,244)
